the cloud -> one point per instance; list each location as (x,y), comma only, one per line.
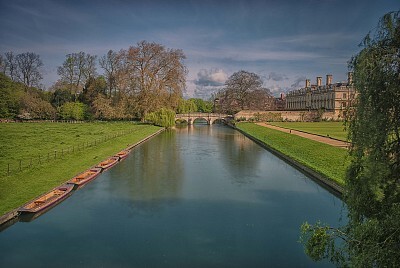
(299,82)
(213,77)
(208,82)
(276,77)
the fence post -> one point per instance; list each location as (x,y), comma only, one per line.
(55,154)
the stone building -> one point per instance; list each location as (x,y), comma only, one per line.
(331,97)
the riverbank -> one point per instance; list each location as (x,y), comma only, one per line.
(325,163)
(16,189)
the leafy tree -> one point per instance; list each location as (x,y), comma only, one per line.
(203,106)
(162,117)
(73,110)
(371,237)
(10,96)
(34,106)
(186,106)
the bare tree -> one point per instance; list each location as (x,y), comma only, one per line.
(76,70)
(112,66)
(157,76)
(2,64)
(243,90)
(11,65)
(28,69)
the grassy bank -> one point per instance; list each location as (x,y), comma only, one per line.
(325,159)
(24,141)
(331,129)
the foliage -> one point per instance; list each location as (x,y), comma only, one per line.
(163,118)
(202,105)
(73,111)
(372,236)
(186,106)
(26,141)
(327,160)
(10,96)
(34,106)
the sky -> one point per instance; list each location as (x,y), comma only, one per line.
(284,42)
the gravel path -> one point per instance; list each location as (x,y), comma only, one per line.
(333,142)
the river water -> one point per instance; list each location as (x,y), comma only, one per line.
(200,196)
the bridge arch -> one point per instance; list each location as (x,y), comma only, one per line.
(209,117)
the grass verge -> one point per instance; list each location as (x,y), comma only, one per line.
(328,129)
(327,160)
(18,188)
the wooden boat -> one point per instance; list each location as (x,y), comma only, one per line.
(106,164)
(47,200)
(123,154)
(85,177)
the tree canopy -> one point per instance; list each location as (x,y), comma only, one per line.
(371,237)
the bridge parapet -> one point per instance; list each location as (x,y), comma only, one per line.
(209,117)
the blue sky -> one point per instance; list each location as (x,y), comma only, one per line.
(284,42)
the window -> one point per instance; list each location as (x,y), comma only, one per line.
(344,105)
(344,95)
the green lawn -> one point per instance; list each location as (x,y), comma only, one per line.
(325,159)
(333,129)
(28,140)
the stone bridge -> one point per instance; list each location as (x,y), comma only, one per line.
(209,117)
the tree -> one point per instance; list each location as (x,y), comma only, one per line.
(28,69)
(112,64)
(76,70)
(73,110)
(2,64)
(162,117)
(243,91)
(371,237)
(10,65)
(186,106)
(156,76)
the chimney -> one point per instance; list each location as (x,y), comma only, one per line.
(319,81)
(328,79)
(308,84)
(350,78)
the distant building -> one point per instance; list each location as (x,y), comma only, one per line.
(280,103)
(333,97)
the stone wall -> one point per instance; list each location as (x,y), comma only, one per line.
(286,115)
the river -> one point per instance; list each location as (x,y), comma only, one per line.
(199,196)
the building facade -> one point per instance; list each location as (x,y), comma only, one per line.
(333,97)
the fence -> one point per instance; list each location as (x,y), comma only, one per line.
(31,162)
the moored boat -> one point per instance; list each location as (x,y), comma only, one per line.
(106,164)
(85,177)
(123,154)
(47,200)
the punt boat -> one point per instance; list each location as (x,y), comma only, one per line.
(106,164)
(47,200)
(85,177)
(123,154)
